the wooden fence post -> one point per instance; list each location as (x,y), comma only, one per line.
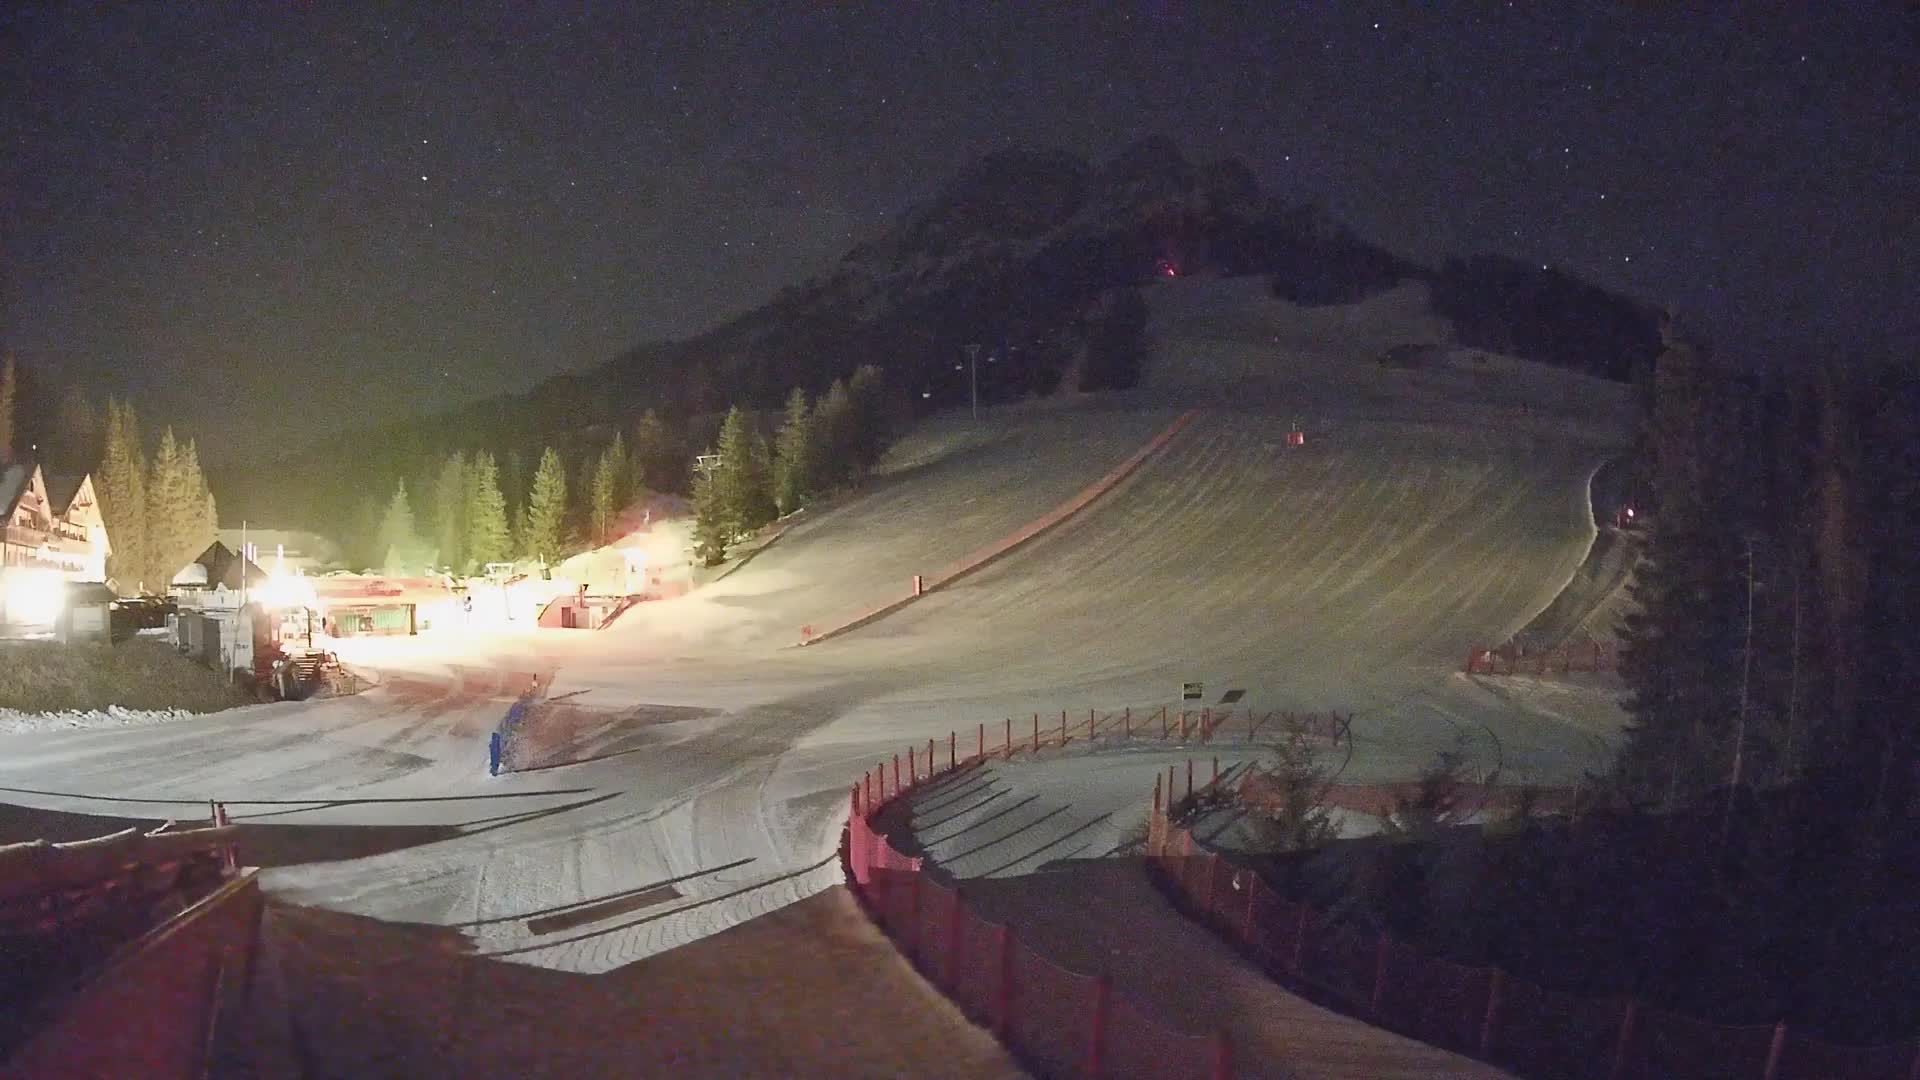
(1490,1021)
(953,750)
(1097,1033)
(1300,940)
(1381,950)
(1063,727)
(980,742)
(954,923)
(1216,768)
(913,770)
(1126,722)
(1774,1049)
(896,774)
(916,933)
(1009,746)
(1222,1056)
(929,759)
(1003,997)
(1623,1040)
(1036,733)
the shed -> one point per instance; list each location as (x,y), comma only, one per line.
(87,614)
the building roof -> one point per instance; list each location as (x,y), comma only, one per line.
(89,592)
(219,565)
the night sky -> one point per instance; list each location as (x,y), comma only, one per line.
(319,212)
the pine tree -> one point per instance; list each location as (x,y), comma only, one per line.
(168,510)
(198,523)
(450,511)
(741,477)
(796,455)
(75,445)
(546,516)
(9,390)
(610,489)
(658,459)
(870,433)
(399,543)
(121,487)
(487,537)
(838,439)
(712,530)
(1683,647)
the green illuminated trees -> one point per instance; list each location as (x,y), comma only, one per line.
(546,513)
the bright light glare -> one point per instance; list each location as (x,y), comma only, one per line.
(288,591)
(33,595)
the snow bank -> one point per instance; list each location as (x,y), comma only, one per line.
(14,723)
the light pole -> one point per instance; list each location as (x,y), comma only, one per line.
(973,377)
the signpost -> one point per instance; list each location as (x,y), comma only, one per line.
(1191,691)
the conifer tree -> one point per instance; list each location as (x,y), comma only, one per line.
(796,455)
(866,392)
(838,440)
(544,531)
(450,511)
(487,537)
(610,491)
(199,525)
(121,488)
(75,445)
(168,513)
(657,456)
(1683,647)
(9,390)
(399,543)
(712,531)
(741,476)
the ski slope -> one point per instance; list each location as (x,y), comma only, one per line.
(1429,510)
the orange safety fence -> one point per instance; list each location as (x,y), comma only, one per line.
(922,584)
(1055,1020)
(1511,659)
(1520,1025)
(1038,731)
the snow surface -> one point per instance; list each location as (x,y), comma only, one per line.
(14,722)
(1430,510)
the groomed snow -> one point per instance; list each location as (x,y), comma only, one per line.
(1430,510)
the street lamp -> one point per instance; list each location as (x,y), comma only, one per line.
(973,376)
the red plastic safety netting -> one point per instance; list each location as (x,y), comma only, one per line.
(1668,1044)
(1434,1001)
(1544,1032)
(1052,1012)
(979,968)
(1139,1045)
(1812,1059)
(932,945)
(1340,960)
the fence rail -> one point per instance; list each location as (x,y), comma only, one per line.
(1057,1020)
(1510,659)
(1513,1023)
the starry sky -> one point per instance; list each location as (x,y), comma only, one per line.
(255,216)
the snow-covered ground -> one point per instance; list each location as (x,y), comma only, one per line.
(13,722)
(1430,510)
